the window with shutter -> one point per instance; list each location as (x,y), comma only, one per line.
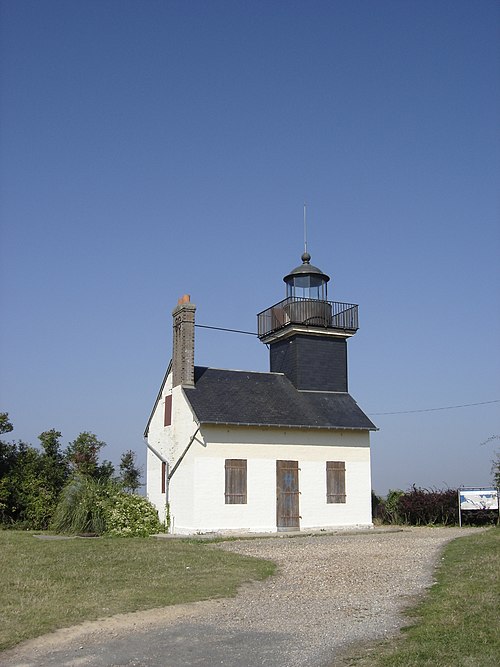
(335,482)
(236,482)
(167,420)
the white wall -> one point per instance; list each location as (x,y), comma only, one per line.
(153,484)
(197,489)
(169,442)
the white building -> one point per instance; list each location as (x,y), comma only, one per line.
(264,452)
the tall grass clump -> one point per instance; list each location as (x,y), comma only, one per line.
(82,507)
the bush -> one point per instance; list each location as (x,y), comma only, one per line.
(132,516)
(420,507)
(423,507)
(388,510)
(101,507)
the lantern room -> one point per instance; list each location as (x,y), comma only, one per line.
(307,281)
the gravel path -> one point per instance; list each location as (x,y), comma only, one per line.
(330,592)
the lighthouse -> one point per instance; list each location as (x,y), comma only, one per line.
(307,334)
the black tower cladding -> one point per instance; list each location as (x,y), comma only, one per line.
(307,334)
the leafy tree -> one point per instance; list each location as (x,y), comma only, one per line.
(130,473)
(34,480)
(7,459)
(7,449)
(5,425)
(495,470)
(83,456)
(25,486)
(11,455)
(105,471)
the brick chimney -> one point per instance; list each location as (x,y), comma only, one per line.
(183,353)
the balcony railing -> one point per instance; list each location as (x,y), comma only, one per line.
(308,312)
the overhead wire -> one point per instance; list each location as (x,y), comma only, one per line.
(447,407)
(205,326)
(373,414)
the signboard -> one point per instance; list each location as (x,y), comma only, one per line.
(477,498)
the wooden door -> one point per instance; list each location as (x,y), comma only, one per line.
(287,495)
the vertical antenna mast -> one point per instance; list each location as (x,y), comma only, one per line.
(305,228)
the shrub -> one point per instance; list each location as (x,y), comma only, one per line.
(388,510)
(377,504)
(101,507)
(423,507)
(427,507)
(132,516)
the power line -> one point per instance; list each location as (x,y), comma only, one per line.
(448,407)
(374,414)
(205,326)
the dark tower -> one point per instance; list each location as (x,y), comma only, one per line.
(307,334)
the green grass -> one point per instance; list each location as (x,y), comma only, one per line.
(457,623)
(49,584)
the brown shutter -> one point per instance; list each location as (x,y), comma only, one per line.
(236,482)
(167,420)
(163,475)
(335,482)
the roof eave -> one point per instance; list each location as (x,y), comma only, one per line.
(299,426)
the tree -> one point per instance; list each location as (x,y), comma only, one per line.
(5,425)
(130,473)
(83,456)
(495,470)
(8,463)
(32,479)
(105,471)
(54,467)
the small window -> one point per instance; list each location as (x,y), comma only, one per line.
(167,420)
(163,475)
(335,482)
(236,482)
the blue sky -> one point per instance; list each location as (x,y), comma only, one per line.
(151,149)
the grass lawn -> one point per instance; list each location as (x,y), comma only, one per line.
(458,622)
(49,584)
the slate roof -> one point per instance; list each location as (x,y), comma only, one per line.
(269,399)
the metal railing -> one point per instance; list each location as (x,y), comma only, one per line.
(308,312)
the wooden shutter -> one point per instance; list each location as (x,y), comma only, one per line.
(335,482)
(167,420)
(236,482)
(163,475)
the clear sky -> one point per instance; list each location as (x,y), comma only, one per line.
(155,148)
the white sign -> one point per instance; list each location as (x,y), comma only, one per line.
(478,499)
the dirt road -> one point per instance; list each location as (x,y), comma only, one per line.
(330,591)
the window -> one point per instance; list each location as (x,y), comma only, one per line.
(163,475)
(167,420)
(236,482)
(335,482)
